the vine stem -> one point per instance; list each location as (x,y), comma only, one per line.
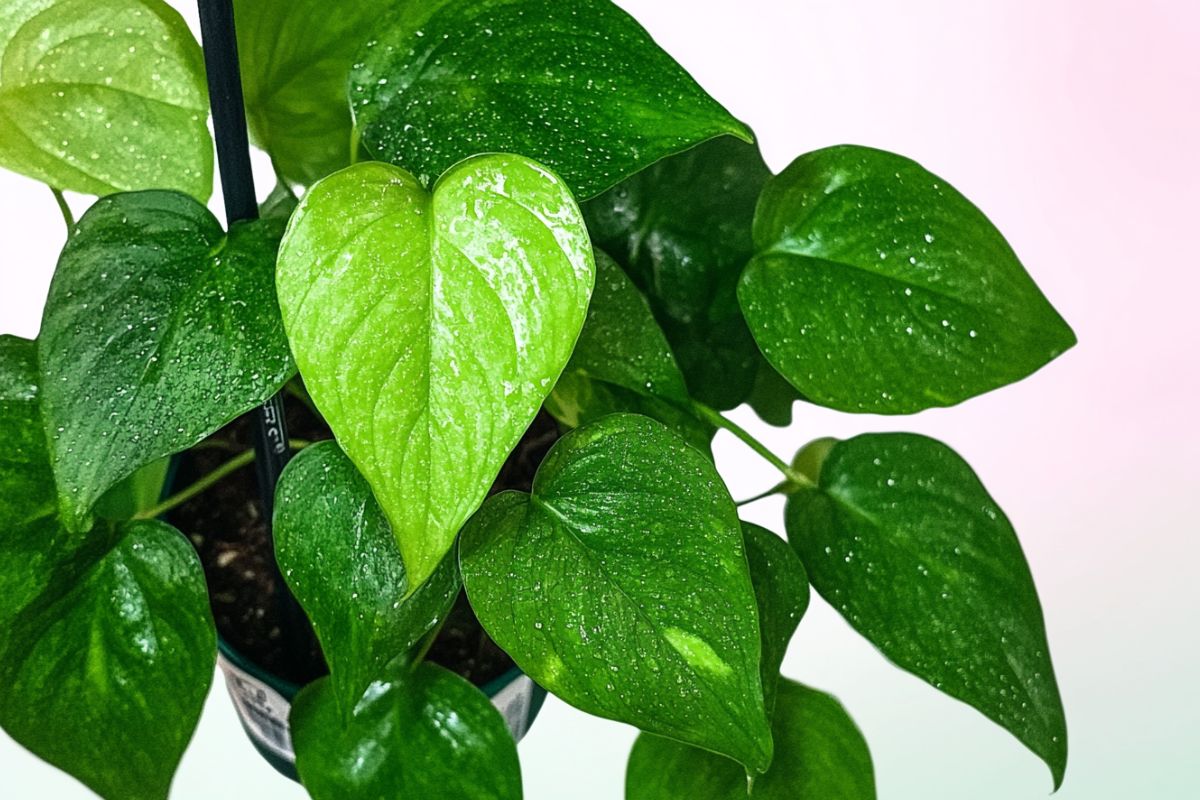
(208,481)
(774,490)
(719,420)
(67,216)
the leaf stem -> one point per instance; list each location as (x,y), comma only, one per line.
(67,216)
(428,641)
(207,481)
(774,490)
(719,420)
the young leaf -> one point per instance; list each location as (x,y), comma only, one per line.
(876,287)
(681,229)
(159,329)
(107,652)
(636,600)
(781,589)
(429,329)
(820,754)
(340,560)
(429,733)
(902,539)
(579,86)
(622,362)
(78,80)
(295,59)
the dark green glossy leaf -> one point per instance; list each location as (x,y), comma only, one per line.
(108,651)
(819,755)
(341,562)
(99,96)
(578,86)
(636,600)
(423,734)
(106,643)
(622,362)
(158,330)
(430,328)
(577,400)
(771,396)
(901,537)
(295,58)
(876,287)
(681,229)
(621,344)
(781,589)
(26,483)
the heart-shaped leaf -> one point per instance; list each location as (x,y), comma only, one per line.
(99,96)
(295,59)
(579,86)
(636,600)
(428,733)
(159,329)
(622,362)
(681,228)
(876,287)
(820,754)
(430,328)
(903,540)
(781,589)
(340,560)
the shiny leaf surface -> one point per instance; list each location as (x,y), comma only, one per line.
(159,328)
(430,328)
(98,96)
(429,733)
(622,362)
(681,228)
(819,755)
(876,287)
(579,86)
(781,589)
(903,540)
(295,58)
(636,600)
(341,562)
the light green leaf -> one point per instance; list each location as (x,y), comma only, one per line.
(295,57)
(340,560)
(781,589)
(636,600)
(681,229)
(579,86)
(98,96)
(903,540)
(819,755)
(428,733)
(159,329)
(105,633)
(430,328)
(876,287)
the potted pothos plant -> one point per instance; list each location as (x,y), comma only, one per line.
(517,268)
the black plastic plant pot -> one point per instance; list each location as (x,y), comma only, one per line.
(263,701)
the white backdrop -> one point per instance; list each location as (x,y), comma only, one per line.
(1074,125)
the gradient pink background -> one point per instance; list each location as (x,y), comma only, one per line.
(1076,127)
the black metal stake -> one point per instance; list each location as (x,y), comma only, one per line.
(271,450)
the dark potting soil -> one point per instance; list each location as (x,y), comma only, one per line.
(226,525)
